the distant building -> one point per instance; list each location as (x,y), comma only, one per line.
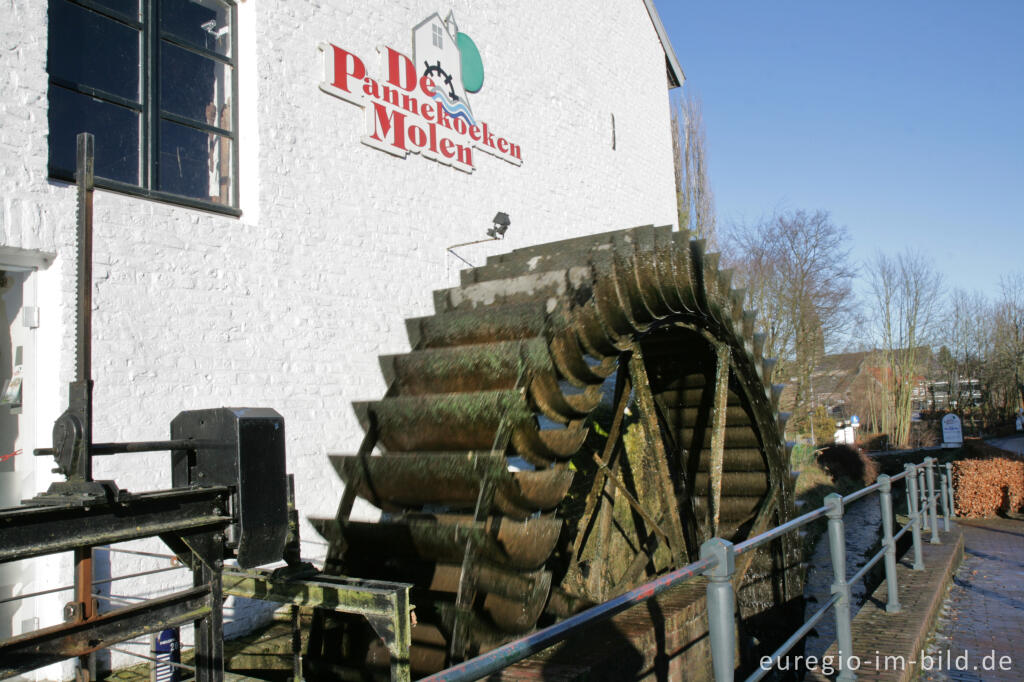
(846,384)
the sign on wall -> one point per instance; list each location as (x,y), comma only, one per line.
(420,105)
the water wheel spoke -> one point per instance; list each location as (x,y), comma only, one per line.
(721,404)
(599,489)
(762,522)
(682,541)
(637,507)
(636,567)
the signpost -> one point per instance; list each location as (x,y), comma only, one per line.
(952,433)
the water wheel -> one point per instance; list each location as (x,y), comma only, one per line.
(575,419)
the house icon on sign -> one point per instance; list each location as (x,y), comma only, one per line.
(435,52)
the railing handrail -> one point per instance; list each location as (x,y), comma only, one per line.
(516,650)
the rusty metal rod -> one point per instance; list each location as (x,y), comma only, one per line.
(119,550)
(189,668)
(94,582)
(86,610)
(17,597)
(140,446)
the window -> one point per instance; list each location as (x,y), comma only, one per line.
(435,35)
(155,81)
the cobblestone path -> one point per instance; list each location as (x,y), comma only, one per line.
(980,633)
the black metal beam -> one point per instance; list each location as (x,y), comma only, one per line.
(27,532)
(54,644)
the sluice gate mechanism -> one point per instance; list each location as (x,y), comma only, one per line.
(575,419)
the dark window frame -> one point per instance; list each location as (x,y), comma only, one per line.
(151,116)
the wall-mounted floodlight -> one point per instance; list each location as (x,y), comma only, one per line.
(501,223)
(497,231)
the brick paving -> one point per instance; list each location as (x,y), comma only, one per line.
(982,624)
(888,645)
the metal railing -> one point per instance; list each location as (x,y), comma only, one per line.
(718,562)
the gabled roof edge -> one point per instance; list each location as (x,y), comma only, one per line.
(676,77)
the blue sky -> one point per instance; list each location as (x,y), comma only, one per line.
(905,120)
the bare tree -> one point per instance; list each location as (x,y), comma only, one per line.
(906,299)
(967,345)
(1009,336)
(795,267)
(695,202)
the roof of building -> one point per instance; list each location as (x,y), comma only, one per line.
(675,72)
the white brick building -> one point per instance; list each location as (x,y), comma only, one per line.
(277,280)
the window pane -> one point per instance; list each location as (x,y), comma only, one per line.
(116,129)
(195,86)
(194,163)
(90,49)
(203,23)
(129,8)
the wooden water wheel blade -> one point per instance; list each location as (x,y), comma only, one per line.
(447,421)
(522,545)
(735,437)
(736,482)
(570,359)
(541,446)
(688,397)
(735,459)
(501,323)
(639,305)
(614,306)
(733,506)
(515,616)
(688,416)
(443,478)
(561,407)
(483,633)
(484,577)
(541,258)
(522,288)
(638,269)
(561,604)
(514,601)
(666,265)
(466,368)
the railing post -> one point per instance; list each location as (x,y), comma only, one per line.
(944,493)
(922,498)
(933,519)
(837,550)
(892,602)
(721,605)
(952,499)
(915,515)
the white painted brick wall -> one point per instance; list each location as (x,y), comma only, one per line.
(290,305)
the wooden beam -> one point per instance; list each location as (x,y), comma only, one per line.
(680,540)
(721,405)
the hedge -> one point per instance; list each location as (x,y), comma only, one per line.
(986,487)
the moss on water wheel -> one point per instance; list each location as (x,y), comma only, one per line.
(575,418)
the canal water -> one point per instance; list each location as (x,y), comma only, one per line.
(863,520)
